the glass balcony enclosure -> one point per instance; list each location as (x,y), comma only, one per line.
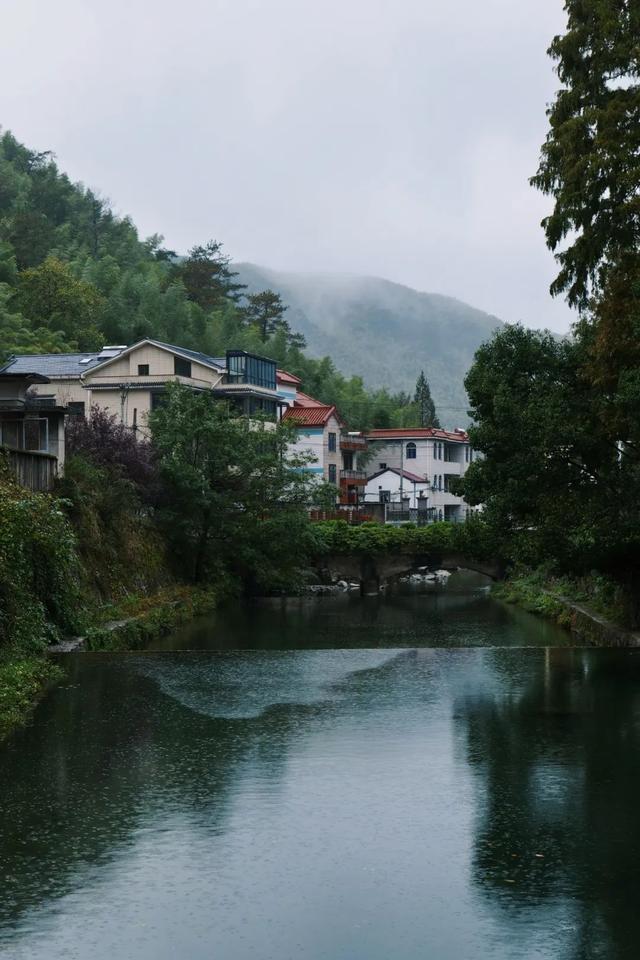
(248,368)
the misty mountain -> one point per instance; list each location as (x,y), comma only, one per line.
(385,332)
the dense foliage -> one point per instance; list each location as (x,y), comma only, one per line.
(235,498)
(558,421)
(38,568)
(73,275)
(474,540)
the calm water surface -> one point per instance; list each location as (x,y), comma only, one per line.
(431,776)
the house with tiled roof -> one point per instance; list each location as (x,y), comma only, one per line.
(435,456)
(387,486)
(317,429)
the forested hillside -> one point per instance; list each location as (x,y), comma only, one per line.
(73,275)
(384,332)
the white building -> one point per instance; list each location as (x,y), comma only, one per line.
(395,486)
(318,427)
(435,456)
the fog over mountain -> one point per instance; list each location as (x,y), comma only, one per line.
(383,331)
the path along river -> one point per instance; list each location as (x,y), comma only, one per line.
(427,776)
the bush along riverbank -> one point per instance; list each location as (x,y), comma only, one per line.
(61,577)
(135,623)
(593,608)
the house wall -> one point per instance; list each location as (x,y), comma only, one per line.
(434,459)
(160,363)
(64,391)
(315,440)
(287,392)
(391,481)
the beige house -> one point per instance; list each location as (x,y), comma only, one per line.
(131,381)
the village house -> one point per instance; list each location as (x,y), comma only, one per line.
(31,430)
(130,382)
(433,455)
(394,486)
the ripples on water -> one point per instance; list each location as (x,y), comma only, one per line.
(266,796)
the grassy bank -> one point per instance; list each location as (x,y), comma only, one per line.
(592,607)
(23,681)
(135,622)
(131,624)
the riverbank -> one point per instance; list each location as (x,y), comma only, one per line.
(589,608)
(129,625)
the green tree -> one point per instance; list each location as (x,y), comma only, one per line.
(424,402)
(207,276)
(590,162)
(50,296)
(235,498)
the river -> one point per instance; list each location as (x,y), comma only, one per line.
(434,776)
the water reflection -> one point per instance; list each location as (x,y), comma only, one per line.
(555,747)
(359,803)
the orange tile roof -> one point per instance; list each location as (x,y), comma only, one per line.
(310,415)
(304,400)
(285,377)
(418,433)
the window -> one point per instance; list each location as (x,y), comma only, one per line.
(158,399)
(143,369)
(411,451)
(181,367)
(384,495)
(76,408)
(466,454)
(333,473)
(332,443)
(440,514)
(436,451)
(382,466)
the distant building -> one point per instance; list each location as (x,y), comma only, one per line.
(434,456)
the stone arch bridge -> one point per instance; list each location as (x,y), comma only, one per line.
(372,570)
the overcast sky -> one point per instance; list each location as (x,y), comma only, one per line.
(386,137)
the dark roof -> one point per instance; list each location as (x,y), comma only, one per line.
(52,364)
(413,477)
(27,377)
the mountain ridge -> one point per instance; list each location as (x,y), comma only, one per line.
(384,331)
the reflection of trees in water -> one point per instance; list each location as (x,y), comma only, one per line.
(102,760)
(439,617)
(556,752)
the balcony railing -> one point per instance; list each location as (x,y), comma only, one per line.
(355,476)
(352,443)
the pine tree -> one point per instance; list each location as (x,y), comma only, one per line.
(425,404)
(590,162)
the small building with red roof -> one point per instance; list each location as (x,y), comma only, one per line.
(318,427)
(437,457)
